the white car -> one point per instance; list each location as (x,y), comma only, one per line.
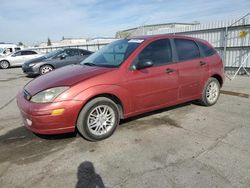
(18,58)
(8,48)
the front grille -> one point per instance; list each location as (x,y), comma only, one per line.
(26,95)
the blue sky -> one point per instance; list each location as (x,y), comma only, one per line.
(33,21)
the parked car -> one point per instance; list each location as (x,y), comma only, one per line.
(8,48)
(18,58)
(123,79)
(54,60)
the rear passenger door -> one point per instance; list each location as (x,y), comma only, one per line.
(190,66)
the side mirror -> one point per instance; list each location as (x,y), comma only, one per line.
(63,57)
(144,64)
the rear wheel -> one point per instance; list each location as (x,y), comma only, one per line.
(98,119)
(4,64)
(45,69)
(211,92)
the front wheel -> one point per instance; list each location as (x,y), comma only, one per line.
(45,69)
(211,92)
(4,64)
(98,119)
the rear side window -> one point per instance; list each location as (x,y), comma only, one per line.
(186,49)
(159,52)
(207,50)
(16,49)
(28,53)
(84,52)
(72,52)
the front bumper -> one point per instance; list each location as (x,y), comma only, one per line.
(30,70)
(38,118)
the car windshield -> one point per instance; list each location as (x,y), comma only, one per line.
(1,50)
(53,53)
(113,54)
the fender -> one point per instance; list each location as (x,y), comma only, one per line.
(121,93)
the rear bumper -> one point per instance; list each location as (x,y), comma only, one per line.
(38,118)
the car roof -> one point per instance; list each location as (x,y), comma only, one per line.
(152,37)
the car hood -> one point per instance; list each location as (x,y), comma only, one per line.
(65,76)
(36,60)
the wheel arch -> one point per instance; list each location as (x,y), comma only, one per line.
(110,96)
(45,65)
(6,60)
(219,78)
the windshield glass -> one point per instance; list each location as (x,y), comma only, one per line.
(1,50)
(114,54)
(53,53)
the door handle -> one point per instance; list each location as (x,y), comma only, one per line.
(202,63)
(168,71)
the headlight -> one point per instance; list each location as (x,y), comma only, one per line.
(31,65)
(48,95)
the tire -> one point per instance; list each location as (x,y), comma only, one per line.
(92,122)
(211,92)
(4,64)
(45,69)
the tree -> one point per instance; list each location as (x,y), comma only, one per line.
(49,42)
(20,44)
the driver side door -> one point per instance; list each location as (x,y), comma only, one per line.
(155,86)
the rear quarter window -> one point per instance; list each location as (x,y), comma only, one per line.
(207,50)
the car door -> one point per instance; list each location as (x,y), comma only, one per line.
(28,55)
(190,65)
(67,57)
(83,54)
(16,58)
(157,85)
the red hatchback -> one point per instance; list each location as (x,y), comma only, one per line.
(125,78)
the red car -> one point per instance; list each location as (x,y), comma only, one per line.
(125,78)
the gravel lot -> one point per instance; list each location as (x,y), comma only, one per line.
(183,146)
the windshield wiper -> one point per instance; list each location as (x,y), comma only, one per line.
(89,64)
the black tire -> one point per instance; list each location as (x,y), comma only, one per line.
(83,118)
(4,64)
(45,69)
(205,96)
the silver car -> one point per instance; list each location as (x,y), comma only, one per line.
(18,58)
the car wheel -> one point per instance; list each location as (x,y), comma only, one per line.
(98,119)
(211,92)
(4,64)
(45,69)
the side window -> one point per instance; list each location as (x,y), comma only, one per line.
(28,53)
(159,52)
(17,53)
(84,52)
(72,52)
(16,49)
(186,49)
(207,50)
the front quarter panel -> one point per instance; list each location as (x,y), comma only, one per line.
(121,93)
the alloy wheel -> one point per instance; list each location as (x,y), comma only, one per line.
(101,120)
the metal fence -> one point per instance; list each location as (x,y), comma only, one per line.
(91,47)
(237,46)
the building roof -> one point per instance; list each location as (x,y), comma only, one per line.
(162,24)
